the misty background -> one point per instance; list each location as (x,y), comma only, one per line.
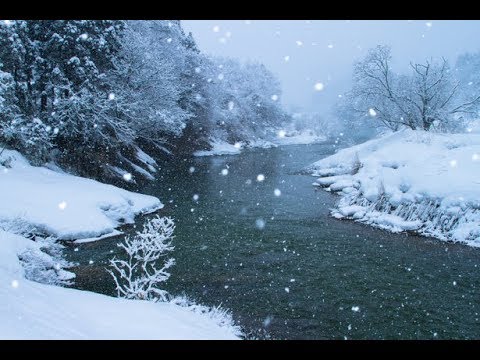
(303,53)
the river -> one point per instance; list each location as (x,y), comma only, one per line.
(285,268)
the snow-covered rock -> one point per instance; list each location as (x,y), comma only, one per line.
(409,180)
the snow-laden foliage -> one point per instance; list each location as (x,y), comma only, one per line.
(44,263)
(42,260)
(428,98)
(146,264)
(222,317)
(87,94)
(244,101)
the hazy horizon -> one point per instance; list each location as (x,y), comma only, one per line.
(303,53)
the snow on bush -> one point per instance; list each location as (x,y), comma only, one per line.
(409,180)
(138,276)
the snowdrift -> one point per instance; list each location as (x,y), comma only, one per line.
(65,206)
(409,180)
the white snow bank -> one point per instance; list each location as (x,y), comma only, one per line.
(65,206)
(30,310)
(220,147)
(409,180)
(304,137)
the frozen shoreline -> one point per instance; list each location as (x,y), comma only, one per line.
(220,147)
(409,181)
(36,200)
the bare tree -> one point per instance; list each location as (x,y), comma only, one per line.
(426,99)
(146,265)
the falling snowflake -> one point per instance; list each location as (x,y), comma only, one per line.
(169,40)
(55,131)
(470,83)
(62,205)
(127,176)
(197,70)
(14,284)
(248,182)
(220,76)
(231,105)
(319,86)
(299,43)
(222,40)
(267,321)
(287,290)
(428,24)
(224,172)
(84,36)
(330,46)
(191,169)
(355,308)
(454,283)
(292,280)
(453,163)
(237,145)
(260,177)
(286,58)
(475,157)
(195,197)
(277,192)
(111,96)
(281,134)
(228,34)
(372,112)
(216,28)
(90,262)
(274,97)
(48,128)
(260,224)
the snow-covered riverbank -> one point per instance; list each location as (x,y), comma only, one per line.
(410,180)
(220,147)
(42,201)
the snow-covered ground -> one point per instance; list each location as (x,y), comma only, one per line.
(30,310)
(283,137)
(39,200)
(304,137)
(409,180)
(220,147)
(65,206)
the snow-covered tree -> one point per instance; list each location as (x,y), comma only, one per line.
(428,98)
(244,100)
(146,264)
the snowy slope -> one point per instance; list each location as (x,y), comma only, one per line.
(66,206)
(410,180)
(29,310)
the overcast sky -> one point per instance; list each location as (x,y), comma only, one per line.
(303,53)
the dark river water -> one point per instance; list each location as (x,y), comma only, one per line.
(286,269)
